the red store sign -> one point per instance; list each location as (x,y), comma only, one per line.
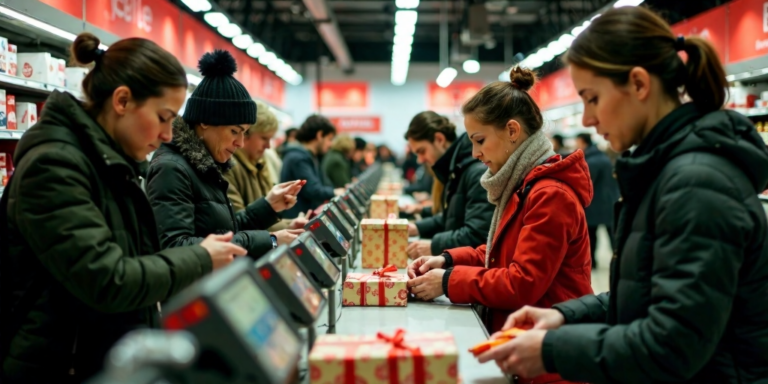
(709,25)
(453,96)
(555,90)
(342,95)
(357,124)
(747,29)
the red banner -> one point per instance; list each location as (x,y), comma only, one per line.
(453,96)
(341,95)
(555,90)
(710,25)
(72,7)
(357,124)
(747,30)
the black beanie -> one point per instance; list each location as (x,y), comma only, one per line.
(219,99)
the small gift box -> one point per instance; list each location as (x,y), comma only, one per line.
(389,189)
(382,288)
(385,242)
(383,206)
(421,358)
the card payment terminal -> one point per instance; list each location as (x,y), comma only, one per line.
(318,264)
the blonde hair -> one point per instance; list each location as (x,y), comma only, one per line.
(266,121)
(344,144)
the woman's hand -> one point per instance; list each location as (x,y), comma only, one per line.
(429,286)
(339,191)
(412,208)
(221,250)
(301,221)
(287,236)
(419,248)
(529,317)
(424,264)
(283,196)
(413,230)
(520,356)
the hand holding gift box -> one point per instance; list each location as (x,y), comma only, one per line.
(383,288)
(427,358)
(385,242)
(383,206)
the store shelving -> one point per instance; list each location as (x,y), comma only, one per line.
(10,134)
(32,88)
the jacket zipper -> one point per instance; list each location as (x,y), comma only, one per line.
(74,351)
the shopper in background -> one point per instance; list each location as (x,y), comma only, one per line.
(410,165)
(186,184)
(250,179)
(336,163)
(558,145)
(466,214)
(688,300)
(384,155)
(300,162)
(290,141)
(538,247)
(79,254)
(358,165)
(600,211)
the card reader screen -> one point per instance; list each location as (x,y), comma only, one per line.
(335,232)
(319,255)
(342,219)
(253,318)
(298,282)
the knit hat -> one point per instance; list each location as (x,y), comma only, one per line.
(219,99)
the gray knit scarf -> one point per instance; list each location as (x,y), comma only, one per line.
(532,152)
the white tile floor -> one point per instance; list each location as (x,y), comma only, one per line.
(600,275)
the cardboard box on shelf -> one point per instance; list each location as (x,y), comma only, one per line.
(3,111)
(37,66)
(384,243)
(382,288)
(10,111)
(75,76)
(3,55)
(13,65)
(61,77)
(27,115)
(429,358)
(3,170)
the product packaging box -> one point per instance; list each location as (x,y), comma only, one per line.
(389,189)
(3,170)
(381,288)
(3,55)
(384,243)
(74,78)
(13,64)
(37,67)
(428,358)
(10,111)
(383,206)
(3,111)
(27,113)
(61,77)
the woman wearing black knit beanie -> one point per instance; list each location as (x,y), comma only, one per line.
(185,183)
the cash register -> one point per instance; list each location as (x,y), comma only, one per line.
(319,265)
(330,239)
(339,219)
(243,329)
(302,298)
(357,207)
(347,210)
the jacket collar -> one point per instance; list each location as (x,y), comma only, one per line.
(192,148)
(63,116)
(241,158)
(458,156)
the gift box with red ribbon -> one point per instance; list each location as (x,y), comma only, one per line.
(385,242)
(390,189)
(383,287)
(383,206)
(414,358)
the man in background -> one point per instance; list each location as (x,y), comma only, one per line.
(358,164)
(606,191)
(290,140)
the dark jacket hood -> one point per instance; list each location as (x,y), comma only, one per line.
(64,119)
(192,148)
(725,133)
(457,156)
(297,150)
(572,170)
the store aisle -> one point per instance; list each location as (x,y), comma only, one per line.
(601,275)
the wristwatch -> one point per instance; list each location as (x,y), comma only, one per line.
(274,241)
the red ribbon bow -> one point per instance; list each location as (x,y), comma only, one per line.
(381,272)
(398,345)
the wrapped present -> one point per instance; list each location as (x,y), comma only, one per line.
(383,206)
(382,288)
(390,189)
(385,242)
(419,358)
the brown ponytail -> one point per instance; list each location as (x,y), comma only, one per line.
(501,101)
(628,37)
(141,65)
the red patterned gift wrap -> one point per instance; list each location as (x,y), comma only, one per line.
(413,358)
(381,288)
(383,206)
(385,242)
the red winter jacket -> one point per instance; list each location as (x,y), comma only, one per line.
(542,257)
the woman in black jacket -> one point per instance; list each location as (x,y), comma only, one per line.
(689,283)
(80,259)
(186,185)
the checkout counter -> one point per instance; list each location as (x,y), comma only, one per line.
(244,323)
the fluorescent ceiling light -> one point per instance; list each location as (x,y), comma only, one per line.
(401,49)
(242,41)
(275,65)
(194,80)
(267,58)
(504,76)
(406,17)
(556,47)
(38,24)
(446,77)
(471,66)
(256,50)
(216,19)
(578,30)
(230,30)
(405,29)
(198,5)
(401,56)
(566,39)
(627,3)
(403,39)
(408,4)
(594,17)
(545,55)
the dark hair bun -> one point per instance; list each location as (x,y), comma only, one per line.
(522,78)
(217,63)
(84,48)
